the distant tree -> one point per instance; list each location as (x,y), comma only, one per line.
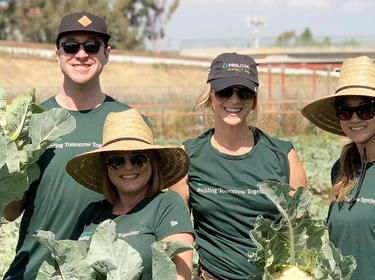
(129,21)
(326,41)
(306,38)
(285,38)
(350,42)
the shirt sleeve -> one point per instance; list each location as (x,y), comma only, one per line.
(171,216)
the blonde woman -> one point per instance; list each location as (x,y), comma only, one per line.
(227,163)
(350,112)
(130,170)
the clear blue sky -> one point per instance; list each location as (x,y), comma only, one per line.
(204,19)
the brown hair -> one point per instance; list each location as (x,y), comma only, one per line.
(349,171)
(156,180)
(204,102)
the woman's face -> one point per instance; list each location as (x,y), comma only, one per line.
(357,129)
(233,108)
(130,172)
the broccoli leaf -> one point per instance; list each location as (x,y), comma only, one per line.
(297,239)
(70,257)
(163,268)
(113,257)
(26,133)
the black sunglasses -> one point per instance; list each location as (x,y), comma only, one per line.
(363,111)
(90,47)
(243,93)
(119,161)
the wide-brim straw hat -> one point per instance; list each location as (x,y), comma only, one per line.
(127,131)
(357,78)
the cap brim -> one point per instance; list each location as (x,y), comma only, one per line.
(222,83)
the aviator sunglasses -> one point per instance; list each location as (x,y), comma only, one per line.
(243,93)
(90,47)
(118,161)
(363,111)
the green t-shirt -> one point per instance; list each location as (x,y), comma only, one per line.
(55,201)
(225,200)
(150,220)
(353,231)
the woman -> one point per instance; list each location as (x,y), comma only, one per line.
(350,112)
(226,164)
(131,172)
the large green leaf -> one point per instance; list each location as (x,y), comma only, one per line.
(297,239)
(27,132)
(163,268)
(18,113)
(113,257)
(45,128)
(70,257)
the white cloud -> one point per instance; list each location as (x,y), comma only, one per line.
(355,7)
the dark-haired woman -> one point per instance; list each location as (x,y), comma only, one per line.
(130,170)
(350,112)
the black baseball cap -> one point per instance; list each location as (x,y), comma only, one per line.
(230,69)
(85,22)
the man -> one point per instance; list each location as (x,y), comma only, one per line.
(54,202)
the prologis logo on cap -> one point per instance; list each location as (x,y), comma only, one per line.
(225,65)
(85,21)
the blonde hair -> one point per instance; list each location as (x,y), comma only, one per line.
(204,104)
(349,171)
(156,180)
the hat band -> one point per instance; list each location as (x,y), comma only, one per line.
(122,139)
(358,86)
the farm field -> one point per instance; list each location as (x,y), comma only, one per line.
(164,84)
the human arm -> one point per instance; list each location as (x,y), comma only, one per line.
(182,188)
(14,209)
(184,260)
(297,174)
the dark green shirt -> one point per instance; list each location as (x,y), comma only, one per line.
(225,200)
(150,220)
(353,231)
(55,201)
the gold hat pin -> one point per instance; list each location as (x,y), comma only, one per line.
(85,21)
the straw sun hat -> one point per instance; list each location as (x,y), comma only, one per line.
(127,131)
(357,78)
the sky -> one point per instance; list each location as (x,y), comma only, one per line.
(226,19)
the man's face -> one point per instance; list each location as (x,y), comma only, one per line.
(83,66)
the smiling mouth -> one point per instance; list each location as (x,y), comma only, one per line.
(81,66)
(232,110)
(129,176)
(357,128)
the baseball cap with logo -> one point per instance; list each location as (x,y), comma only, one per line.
(85,22)
(230,69)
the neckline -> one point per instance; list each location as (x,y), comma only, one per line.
(236,157)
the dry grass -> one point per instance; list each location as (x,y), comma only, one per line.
(164,84)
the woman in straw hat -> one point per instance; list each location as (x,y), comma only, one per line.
(227,163)
(350,112)
(130,170)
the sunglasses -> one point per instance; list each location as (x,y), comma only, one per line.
(118,161)
(364,111)
(90,47)
(242,93)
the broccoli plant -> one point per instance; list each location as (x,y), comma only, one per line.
(26,131)
(297,246)
(106,258)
